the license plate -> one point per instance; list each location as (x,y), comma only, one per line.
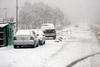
(23,38)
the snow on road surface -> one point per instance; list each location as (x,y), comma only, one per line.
(30,57)
(82,42)
(77,42)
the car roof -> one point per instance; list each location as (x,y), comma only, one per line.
(24,32)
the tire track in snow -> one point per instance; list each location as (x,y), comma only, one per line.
(63,46)
(59,50)
(81,59)
(84,58)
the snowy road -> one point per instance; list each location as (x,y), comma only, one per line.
(82,42)
(30,57)
(79,43)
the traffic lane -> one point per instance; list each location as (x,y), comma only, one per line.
(32,57)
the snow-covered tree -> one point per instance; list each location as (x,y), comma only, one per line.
(39,13)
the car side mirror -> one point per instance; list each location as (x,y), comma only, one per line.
(37,34)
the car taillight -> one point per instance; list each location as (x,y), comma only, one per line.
(15,38)
(31,38)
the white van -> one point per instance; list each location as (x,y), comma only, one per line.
(49,30)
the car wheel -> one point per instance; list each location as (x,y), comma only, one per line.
(19,47)
(40,42)
(15,46)
(33,46)
(37,44)
(44,42)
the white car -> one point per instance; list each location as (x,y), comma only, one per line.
(40,36)
(25,38)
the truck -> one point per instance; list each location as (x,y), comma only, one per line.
(49,30)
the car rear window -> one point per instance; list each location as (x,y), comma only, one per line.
(23,32)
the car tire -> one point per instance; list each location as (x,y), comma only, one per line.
(19,46)
(40,42)
(37,45)
(33,46)
(44,42)
(15,46)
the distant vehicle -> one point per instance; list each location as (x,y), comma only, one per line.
(49,30)
(40,36)
(25,38)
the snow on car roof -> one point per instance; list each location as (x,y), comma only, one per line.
(23,32)
(47,26)
(3,25)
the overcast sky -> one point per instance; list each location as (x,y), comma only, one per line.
(76,10)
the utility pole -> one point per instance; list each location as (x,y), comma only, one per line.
(5,13)
(16,15)
(0,12)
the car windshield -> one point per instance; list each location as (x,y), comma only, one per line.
(49,31)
